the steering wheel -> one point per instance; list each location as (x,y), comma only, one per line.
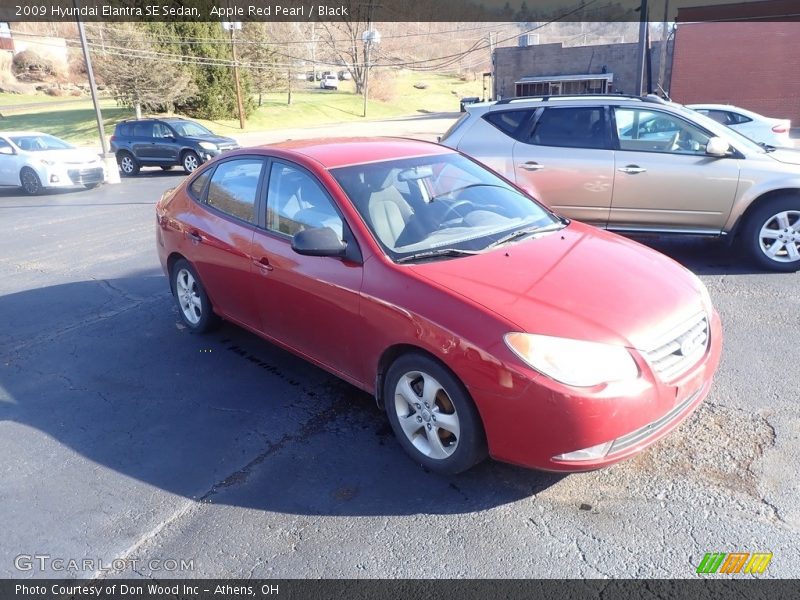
(453,207)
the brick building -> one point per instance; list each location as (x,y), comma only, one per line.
(754,64)
(555,69)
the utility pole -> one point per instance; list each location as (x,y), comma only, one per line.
(662,62)
(492,66)
(642,49)
(233,26)
(367,37)
(112,171)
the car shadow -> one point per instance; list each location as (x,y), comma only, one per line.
(701,255)
(225,417)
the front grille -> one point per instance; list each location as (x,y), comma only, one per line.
(634,437)
(84,176)
(681,349)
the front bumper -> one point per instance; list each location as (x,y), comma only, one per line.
(70,175)
(550,419)
(206,154)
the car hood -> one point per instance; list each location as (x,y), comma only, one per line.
(787,156)
(580,283)
(214,139)
(73,155)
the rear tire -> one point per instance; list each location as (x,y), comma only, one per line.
(31,184)
(128,164)
(771,234)
(432,415)
(194,307)
(91,186)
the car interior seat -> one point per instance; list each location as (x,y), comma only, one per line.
(388,210)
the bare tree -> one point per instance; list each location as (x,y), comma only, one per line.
(344,40)
(139,75)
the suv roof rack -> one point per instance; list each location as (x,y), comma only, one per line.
(648,98)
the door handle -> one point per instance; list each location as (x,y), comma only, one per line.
(632,169)
(263,263)
(195,237)
(531,165)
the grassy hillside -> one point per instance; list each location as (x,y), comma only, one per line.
(392,95)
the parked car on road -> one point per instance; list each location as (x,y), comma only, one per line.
(760,129)
(329,82)
(37,161)
(165,143)
(345,75)
(641,164)
(477,317)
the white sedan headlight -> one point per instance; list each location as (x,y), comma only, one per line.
(573,362)
(208,146)
(47,162)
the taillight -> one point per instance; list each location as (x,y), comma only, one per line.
(113,138)
(780,129)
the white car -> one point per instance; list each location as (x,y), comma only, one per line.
(760,129)
(36,161)
(329,82)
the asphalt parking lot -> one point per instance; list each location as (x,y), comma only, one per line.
(125,437)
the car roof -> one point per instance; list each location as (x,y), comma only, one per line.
(333,153)
(8,133)
(739,109)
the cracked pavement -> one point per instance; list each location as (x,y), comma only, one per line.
(126,437)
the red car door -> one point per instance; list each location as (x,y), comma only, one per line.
(220,236)
(308,303)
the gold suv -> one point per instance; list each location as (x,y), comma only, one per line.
(642,164)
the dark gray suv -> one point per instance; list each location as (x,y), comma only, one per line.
(165,143)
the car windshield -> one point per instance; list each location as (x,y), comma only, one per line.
(39,142)
(440,206)
(189,129)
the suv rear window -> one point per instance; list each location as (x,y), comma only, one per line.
(123,129)
(571,127)
(508,121)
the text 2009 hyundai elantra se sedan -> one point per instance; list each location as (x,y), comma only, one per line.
(480,320)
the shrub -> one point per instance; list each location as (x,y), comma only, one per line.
(28,60)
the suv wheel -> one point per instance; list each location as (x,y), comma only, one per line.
(127,164)
(771,234)
(190,161)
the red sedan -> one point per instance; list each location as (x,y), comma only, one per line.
(481,321)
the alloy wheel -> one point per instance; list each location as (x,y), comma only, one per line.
(126,164)
(190,162)
(427,415)
(779,238)
(188,296)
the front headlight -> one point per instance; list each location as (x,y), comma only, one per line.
(208,146)
(573,362)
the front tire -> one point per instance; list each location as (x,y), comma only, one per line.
(166,167)
(128,164)
(194,307)
(31,184)
(771,234)
(190,161)
(432,415)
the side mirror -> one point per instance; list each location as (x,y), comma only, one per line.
(318,241)
(716,146)
(7,150)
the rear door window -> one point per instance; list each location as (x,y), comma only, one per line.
(233,188)
(571,127)
(143,129)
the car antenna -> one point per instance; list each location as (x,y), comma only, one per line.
(663,93)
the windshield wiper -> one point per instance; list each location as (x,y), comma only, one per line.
(440,252)
(521,233)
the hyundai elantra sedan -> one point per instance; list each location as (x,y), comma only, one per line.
(482,322)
